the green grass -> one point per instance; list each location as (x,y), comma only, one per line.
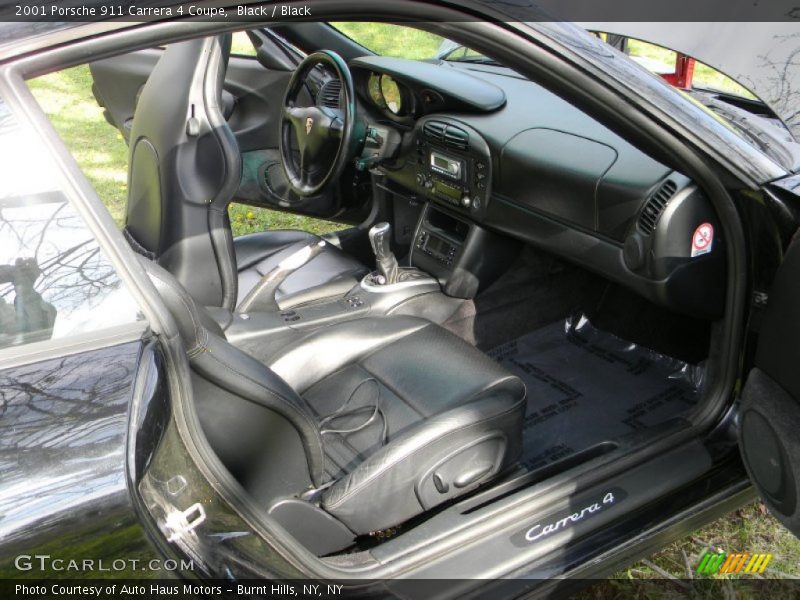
(102,154)
(241,45)
(392,40)
(249,219)
(750,529)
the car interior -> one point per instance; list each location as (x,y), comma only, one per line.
(520,289)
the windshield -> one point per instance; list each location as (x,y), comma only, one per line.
(399,41)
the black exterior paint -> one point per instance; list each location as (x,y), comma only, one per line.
(63,484)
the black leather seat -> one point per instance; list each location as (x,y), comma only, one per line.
(330,273)
(376,420)
(184,169)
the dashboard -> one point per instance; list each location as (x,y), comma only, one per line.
(504,154)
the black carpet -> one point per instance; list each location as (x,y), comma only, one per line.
(586,386)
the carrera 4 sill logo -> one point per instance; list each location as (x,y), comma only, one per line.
(561,522)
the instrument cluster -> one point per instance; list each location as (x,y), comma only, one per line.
(388,95)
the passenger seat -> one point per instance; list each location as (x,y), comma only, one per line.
(391,416)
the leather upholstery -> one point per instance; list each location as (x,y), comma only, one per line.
(185,168)
(395,415)
(235,371)
(331,273)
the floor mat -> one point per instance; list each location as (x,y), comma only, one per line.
(586,386)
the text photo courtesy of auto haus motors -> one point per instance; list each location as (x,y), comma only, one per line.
(404,299)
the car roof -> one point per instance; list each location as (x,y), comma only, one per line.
(13,33)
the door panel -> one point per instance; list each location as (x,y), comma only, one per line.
(256,94)
(64,481)
(71,354)
(769,419)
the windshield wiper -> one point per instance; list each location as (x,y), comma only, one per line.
(480,60)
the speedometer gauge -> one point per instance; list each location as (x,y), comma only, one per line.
(391,94)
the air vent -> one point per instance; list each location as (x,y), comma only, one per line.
(456,138)
(447,135)
(434,131)
(330,94)
(655,206)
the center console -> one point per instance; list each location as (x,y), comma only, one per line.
(439,241)
(417,293)
(463,256)
(453,165)
(451,257)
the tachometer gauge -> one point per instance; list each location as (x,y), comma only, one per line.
(391,94)
(374,88)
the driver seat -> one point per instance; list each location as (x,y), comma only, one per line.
(184,169)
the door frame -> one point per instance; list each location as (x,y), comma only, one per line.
(562,74)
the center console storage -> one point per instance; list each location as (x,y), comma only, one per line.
(463,256)
(419,294)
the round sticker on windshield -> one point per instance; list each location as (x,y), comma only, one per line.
(702,239)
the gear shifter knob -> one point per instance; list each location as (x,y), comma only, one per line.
(379,237)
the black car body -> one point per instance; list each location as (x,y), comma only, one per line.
(105,456)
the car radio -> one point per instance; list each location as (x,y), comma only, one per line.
(459,176)
(452,168)
(444,177)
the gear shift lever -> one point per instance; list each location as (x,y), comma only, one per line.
(385,260)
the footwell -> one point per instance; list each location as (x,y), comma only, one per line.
(586,387)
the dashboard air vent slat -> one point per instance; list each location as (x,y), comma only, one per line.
(447,135)
(330,94)
(456,138)
(655,206)
(434,130)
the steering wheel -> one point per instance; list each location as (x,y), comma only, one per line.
(325,138)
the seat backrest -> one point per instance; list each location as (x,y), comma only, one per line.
(184,169)
(225,366)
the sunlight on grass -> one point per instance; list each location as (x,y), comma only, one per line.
(750,529)
(249,219)
(241,45)
(97,147)
(392,40)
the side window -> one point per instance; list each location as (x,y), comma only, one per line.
(671,66)
(55,281)
(242,46)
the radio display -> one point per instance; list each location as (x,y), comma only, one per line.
(443,164)
(447,190)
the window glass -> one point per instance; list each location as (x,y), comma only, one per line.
(661,61)
(241,45)
(54,279)
(399,41)
(253,219)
